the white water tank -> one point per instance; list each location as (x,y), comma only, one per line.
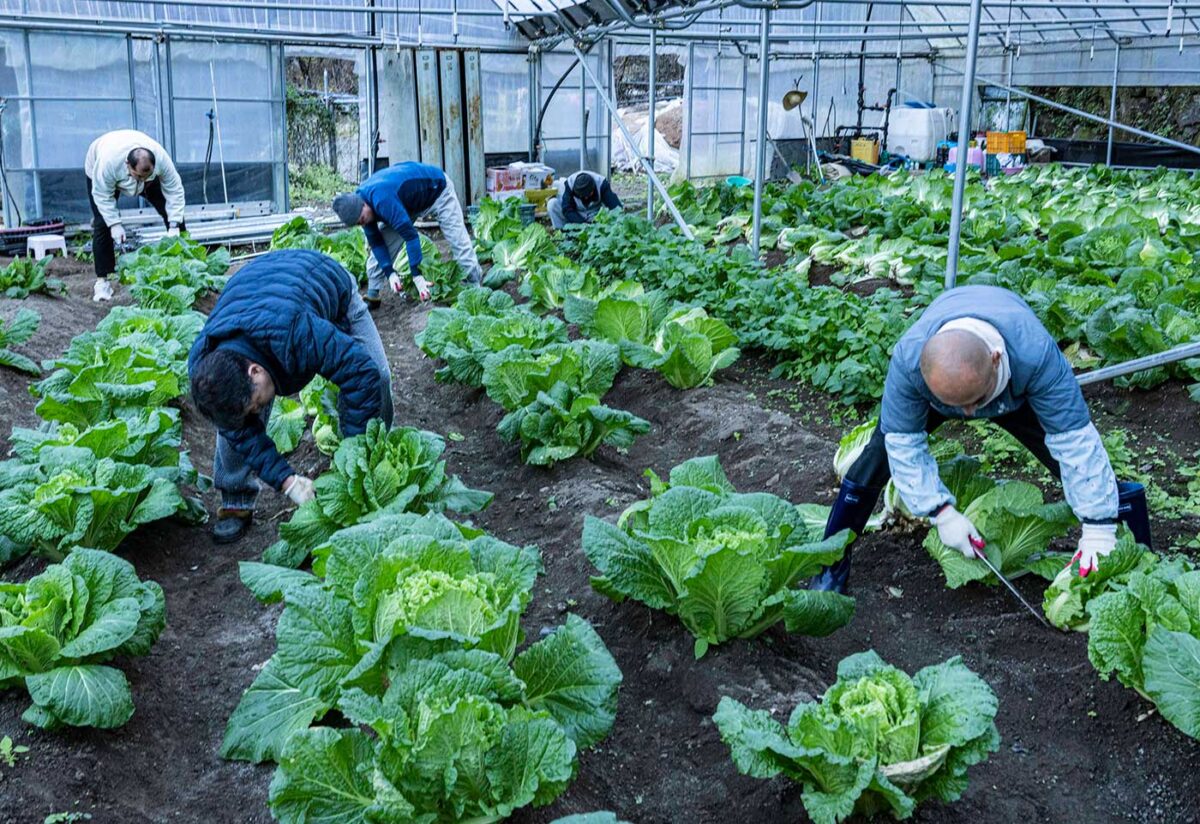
(915,133)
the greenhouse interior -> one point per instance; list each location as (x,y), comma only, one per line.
(600,411)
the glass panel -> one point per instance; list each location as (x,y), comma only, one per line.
(146,74)
(17,135)
(83,66)
(12,64)
(506,102)
(239,70)
(245,132)
(65,129)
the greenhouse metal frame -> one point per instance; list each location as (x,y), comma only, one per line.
(929,46)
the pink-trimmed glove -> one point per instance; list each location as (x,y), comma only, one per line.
(956,530)
(1095,542)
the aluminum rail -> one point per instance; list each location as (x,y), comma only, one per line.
(1080,113)
(612,111)
(652,96)
(1178,353)
(961,162)
(1112,101)
(760,145)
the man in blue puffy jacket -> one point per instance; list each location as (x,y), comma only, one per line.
(386,205)
(282,320)
(980,352)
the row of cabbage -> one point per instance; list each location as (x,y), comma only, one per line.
(106,459)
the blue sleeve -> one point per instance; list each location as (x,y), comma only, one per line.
(322,348)
(378,247)
(608,197)
(253,444)
(392,211)
(570,213)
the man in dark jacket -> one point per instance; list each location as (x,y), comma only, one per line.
(387,204)
(282,320)
(981,352)
(580,198)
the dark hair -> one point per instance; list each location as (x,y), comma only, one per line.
(584,188)
(136,155)
(221,388)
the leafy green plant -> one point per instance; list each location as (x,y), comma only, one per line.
(171,274)
(14,333)
(562,423)
(495,221)
(69,497)
(480,323)
(315,184)
(1066,599)
(513,255)
(58,630)
(383,470)
(553,282)
(289,418)
(878,740)
(514,376)
(348,247)
(728,564)
(1147,631)
(1011,517)
(9,751)
(24,276)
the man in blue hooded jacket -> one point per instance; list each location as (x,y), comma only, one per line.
(386,205)
(282,320)
(980,352)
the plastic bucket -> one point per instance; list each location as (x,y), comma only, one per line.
(738,181)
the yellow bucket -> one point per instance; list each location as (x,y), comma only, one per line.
(865,149)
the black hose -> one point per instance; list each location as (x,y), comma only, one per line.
(537,132)
(208,154)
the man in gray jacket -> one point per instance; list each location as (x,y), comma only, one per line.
(127,163)
(980,352)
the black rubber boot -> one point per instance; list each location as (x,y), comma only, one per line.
(373,301)
(231,525)
(1133,512)
(851,510)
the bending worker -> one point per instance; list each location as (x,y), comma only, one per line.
(980,352)
(282,320)
(580,198)
(127,162)
(386,205)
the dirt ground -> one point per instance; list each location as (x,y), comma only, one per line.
(1074,748)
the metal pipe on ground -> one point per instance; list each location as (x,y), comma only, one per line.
(612,111)
(1173,355)
(964,128)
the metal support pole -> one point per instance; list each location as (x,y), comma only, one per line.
(653,98)
(745,103)
(964,128)
(760,150)
(1008,54)
(582,115)
(1112,102)
(1178,353)
(689,82)
(612,110)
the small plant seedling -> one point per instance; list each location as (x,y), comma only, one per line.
(457,437)
(67,818)
(9,751)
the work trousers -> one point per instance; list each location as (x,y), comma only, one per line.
(449,214)
(103,251)
(231,474)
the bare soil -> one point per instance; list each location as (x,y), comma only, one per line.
(1074,748)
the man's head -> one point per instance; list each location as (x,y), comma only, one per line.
(959,369)
(584,188)
(229,388)
(353,210)
(141,163)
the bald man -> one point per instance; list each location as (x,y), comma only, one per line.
(980,352)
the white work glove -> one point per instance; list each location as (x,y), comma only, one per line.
(173,231)
(422,287)
(1095,542)
(956,530)
(118,234)
(300,489)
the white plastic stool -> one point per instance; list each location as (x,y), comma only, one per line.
(39,245)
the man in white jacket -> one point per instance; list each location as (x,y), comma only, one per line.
(127,162)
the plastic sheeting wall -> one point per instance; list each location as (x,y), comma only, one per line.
(561,124)
(65,90)
(505,102)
